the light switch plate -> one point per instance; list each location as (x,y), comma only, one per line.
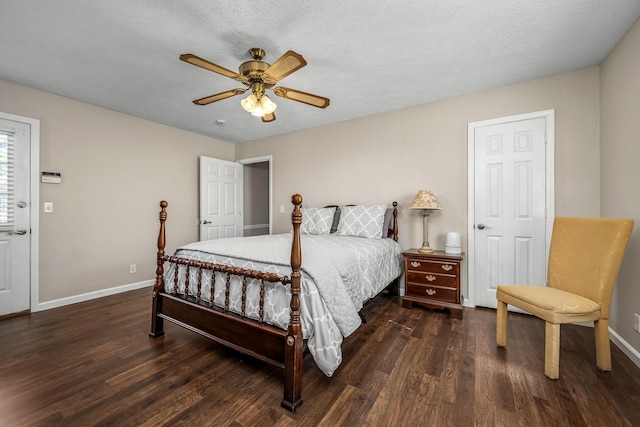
(48,207)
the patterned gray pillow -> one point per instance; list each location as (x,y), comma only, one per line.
(316,220)
(361,221)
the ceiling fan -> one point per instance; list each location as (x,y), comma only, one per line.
(259,76)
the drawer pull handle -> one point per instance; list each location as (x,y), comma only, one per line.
(431,291)
(415,264)
(446,267)
(430,277)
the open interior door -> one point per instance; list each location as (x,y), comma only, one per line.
(220,199)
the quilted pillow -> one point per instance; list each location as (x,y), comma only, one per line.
(316,220)
(361,221)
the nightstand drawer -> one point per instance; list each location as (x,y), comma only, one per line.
(432,279)
(432,292)
(432,266)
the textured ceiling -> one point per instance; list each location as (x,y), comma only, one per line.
(368,57)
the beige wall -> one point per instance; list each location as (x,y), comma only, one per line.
(115,169)
(391,156)
(620,153)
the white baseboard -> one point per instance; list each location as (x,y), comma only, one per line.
(626,348)
(255,226)
(47,305)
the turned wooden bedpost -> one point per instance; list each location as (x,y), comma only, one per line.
(294,343)
(395,221)
(394,287)
(157,324)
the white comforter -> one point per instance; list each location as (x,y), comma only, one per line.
(340,273)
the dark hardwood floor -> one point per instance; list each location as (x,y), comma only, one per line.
(93,364)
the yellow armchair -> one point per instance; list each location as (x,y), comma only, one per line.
(584,259)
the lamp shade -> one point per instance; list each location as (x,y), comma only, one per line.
(249,103)
(258,111)
(425,200)
(268,105)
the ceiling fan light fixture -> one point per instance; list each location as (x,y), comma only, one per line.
(249,103)
(258,107)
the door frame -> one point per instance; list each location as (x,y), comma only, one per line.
(549,116)
(34,200)
(263,159)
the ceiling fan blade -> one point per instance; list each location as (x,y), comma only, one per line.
(203,63)
(219,96)
(304,97)
(268,118)
(285,65)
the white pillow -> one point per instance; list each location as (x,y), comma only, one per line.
(316,220)
(361,221)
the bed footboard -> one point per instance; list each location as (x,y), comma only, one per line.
(250,336)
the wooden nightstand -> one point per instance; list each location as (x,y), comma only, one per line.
(432,280)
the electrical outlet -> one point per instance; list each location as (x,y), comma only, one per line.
(636,322)
(132,268)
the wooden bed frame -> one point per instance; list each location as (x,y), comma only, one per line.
(255,338)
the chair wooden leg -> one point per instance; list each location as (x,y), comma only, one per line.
(501,324)
(552,351)
(603,346)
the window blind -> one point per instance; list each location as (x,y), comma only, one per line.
(6,177)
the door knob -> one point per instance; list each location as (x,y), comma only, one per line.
(206,222)
(20,231)
(481,226)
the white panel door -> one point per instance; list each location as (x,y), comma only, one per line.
(510,244)
(15,211)
(220,199)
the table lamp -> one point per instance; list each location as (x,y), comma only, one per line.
(426,201)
